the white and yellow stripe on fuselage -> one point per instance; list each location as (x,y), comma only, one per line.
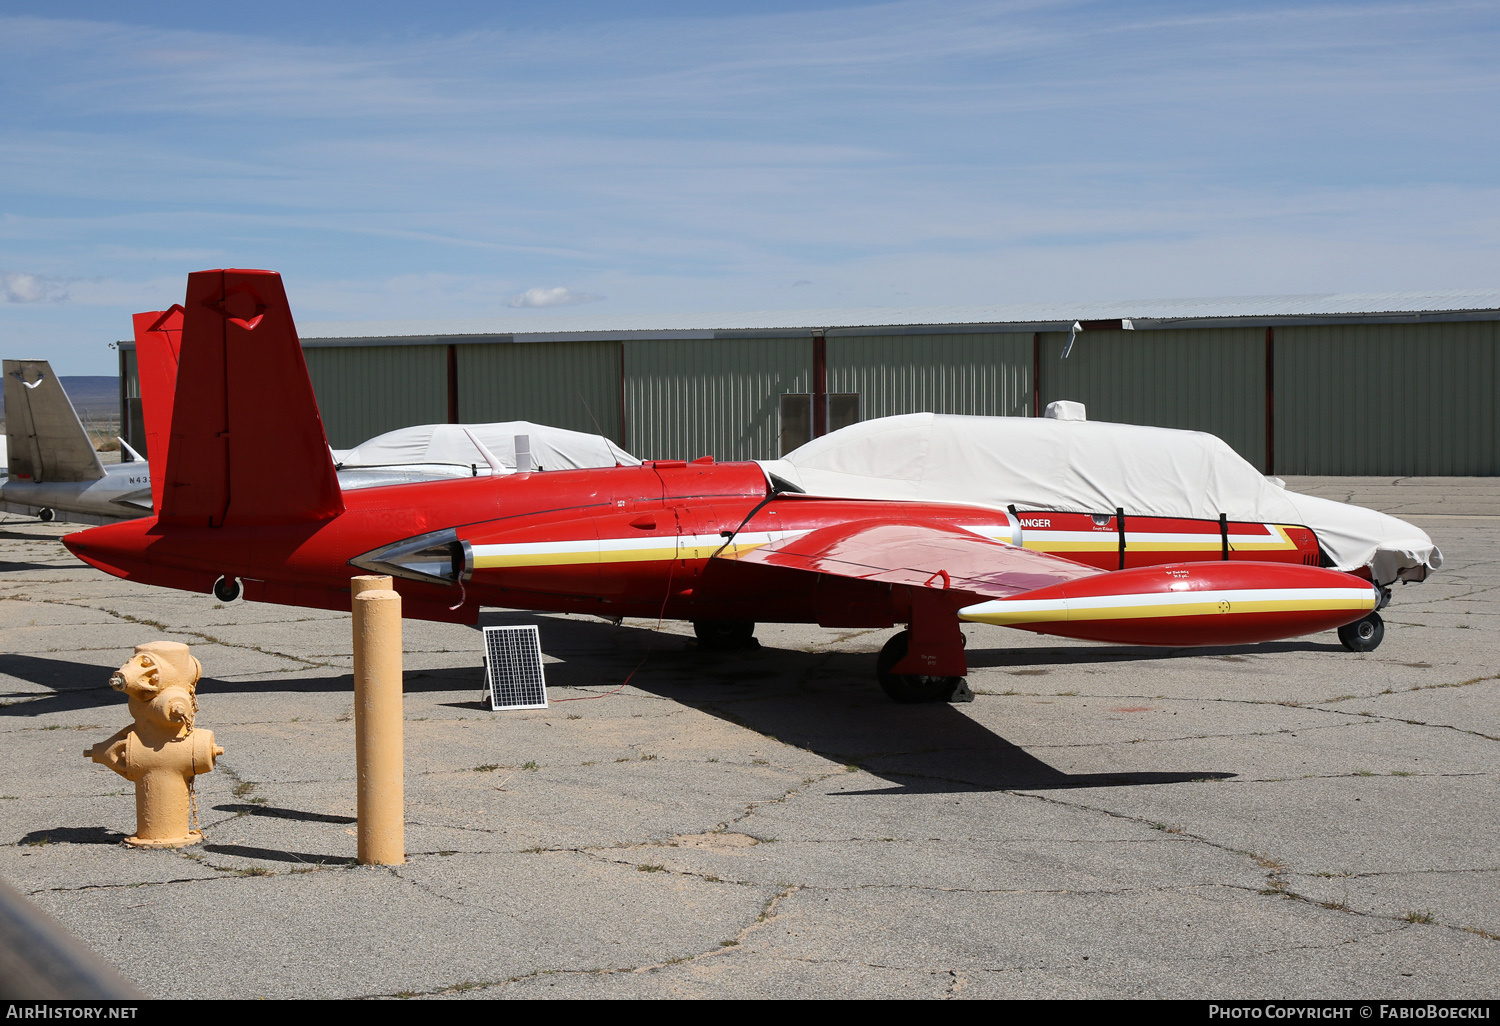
(652,548)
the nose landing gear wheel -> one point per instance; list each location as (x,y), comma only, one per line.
(1363,635)
(45,515)
(910,689)
(226,589)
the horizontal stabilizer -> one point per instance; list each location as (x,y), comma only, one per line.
(45,438)
(247,444)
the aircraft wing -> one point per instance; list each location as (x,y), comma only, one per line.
(1201,603)
(937,556)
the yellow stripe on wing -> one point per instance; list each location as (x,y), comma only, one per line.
(1060,613)
(1036,539)
(1238,601)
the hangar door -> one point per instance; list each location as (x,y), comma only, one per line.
(981,374)
(364,391)
(711,397)
(573,385)
(1201,379)
(1388,399)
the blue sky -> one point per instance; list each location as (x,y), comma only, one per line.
(448,160)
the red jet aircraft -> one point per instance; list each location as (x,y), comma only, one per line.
(247,497)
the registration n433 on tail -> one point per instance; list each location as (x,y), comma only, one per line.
(249,499)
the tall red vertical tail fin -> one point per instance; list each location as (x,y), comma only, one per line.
(247,444)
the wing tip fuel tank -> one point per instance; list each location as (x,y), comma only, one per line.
(1188,604)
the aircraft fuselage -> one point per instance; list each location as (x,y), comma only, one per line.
(123,491)
(629,541)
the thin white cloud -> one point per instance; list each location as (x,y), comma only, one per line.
(550,297)
(20,287)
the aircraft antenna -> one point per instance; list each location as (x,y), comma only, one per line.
(496,467)
(598,429)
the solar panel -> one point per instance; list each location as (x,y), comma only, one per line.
(513,668)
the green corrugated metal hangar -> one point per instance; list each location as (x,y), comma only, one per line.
(1361,384)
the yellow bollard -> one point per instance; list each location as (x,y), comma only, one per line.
(378,721)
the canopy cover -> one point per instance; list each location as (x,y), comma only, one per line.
(1090,467)
(436,444)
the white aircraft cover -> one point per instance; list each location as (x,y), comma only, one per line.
(551,448)
(1090,467)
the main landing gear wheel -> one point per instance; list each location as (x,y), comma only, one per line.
(1363,635)
(910,689)
(725,635)
(226,589)
(45,515)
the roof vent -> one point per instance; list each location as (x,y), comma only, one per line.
(1065,409)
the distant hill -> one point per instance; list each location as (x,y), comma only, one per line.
(95,397)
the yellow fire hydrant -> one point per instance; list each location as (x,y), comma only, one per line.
(160,752)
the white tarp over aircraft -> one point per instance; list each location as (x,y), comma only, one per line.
(449,444)
(1090,467)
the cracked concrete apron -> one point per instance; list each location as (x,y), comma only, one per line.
(1260,821)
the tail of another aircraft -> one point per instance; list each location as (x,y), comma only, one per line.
(46,440)
(158,340)
(246,443)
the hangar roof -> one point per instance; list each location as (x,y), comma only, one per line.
(1223,311)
